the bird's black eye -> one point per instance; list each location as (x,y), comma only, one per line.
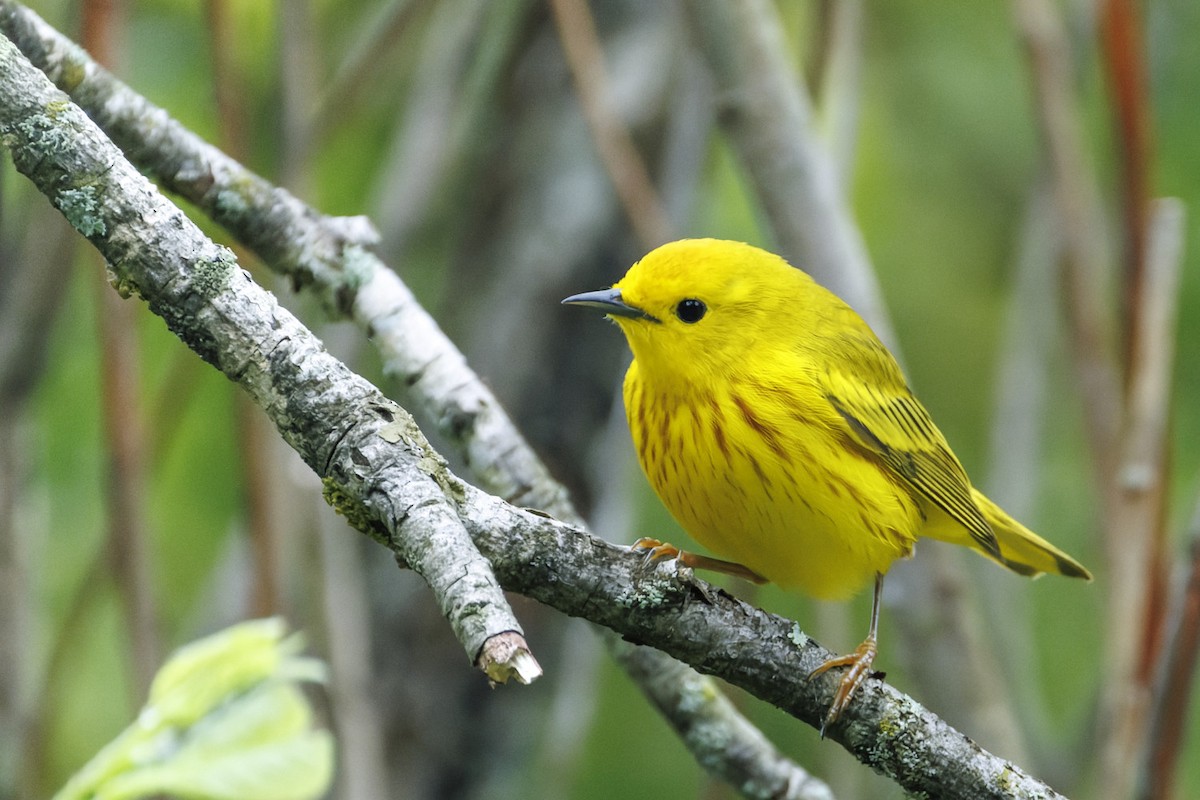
(691,310)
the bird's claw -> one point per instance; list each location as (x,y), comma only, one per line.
(655,550)
(859,663)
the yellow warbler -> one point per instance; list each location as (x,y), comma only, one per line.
(781,434)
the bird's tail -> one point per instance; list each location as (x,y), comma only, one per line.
(1022,550)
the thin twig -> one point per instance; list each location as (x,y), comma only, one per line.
(1122,36)
(1124,57)
(1174,689)
(228,86)
(357,714)
(1142,487)
(423,145)
(260,477)
(577,32)
(128,541)
(1091,325)
(299,79)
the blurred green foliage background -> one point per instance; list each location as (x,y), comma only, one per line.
(455,126)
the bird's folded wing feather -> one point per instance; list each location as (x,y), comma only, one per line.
(869,393)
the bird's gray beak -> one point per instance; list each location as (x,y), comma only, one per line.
(609,301)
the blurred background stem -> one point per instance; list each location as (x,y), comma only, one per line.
(129,546)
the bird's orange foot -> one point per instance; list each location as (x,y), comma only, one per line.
(657,551)
(859,663)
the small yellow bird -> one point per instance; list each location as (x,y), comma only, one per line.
(781,434)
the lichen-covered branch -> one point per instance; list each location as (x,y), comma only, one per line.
(327,413)
(766,655)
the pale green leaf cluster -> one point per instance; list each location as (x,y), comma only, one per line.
(225,720)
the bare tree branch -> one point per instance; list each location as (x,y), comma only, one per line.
(766,655)
(1124,57)
(1142,481)
(1174,689)
(381,472)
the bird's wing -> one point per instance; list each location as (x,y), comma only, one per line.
(868,391)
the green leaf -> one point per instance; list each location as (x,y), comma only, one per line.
(225,720)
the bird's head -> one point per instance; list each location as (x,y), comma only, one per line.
(698,306)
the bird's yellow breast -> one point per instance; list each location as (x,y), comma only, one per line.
(761,474)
